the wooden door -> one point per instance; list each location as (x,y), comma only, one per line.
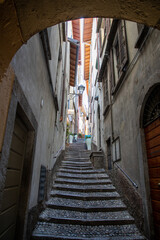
(152,136)
(9,212)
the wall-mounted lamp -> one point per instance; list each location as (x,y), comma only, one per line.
(81,89)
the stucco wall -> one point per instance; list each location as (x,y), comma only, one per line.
(31,72)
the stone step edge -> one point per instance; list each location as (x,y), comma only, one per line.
(87,209)
(88,222)
(80,171)
(64,166)
(80,177)
(85,197)
(83,190)
(51,237)
(82,183)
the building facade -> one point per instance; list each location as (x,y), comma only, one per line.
(35,130)
(125,113)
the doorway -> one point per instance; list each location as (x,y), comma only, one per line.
(151,123)
(17,180)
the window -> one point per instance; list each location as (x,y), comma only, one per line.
(103,32)
(105,92)
(116,149)
(118,55)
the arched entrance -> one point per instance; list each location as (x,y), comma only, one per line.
(151,124)
(19,20)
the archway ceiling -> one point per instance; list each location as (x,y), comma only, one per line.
(21,19)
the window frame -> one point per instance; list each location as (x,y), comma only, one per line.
(119,63)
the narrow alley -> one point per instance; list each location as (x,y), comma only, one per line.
(84,204)
(79,120)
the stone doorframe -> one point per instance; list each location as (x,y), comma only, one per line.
(19,105)
(143,162)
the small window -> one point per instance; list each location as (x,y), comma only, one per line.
(118,55)
(116,150)
(104,32)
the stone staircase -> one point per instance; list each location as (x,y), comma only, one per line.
(84,204)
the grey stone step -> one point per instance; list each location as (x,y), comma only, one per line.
(76,167)
(82,182)
(76,163)
(77,159)
(84,188)
(82,176)
(86,206)
(80,171)
(85,196)
(52,231)
(84,218)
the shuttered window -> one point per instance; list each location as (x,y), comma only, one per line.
(118,55)
(105,82)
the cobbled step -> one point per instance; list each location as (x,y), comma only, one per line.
(85,196)
(54,231)
(80,176)
(84,188)
(82,182)
(81,171)
(74,163)
(85,218)
(76,167)
(76,159)
(86,206)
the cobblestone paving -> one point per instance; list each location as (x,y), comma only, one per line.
(114,232)
(90,195)
(81,176)
(48,214)
(86,187)
(84,205)
(82,182)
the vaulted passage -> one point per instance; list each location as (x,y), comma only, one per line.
(19,20)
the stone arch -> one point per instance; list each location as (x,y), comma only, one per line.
(19,20)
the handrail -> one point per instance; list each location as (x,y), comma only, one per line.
(133,183)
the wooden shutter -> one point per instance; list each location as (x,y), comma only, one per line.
(123,53)
(112,77)
(80,100)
